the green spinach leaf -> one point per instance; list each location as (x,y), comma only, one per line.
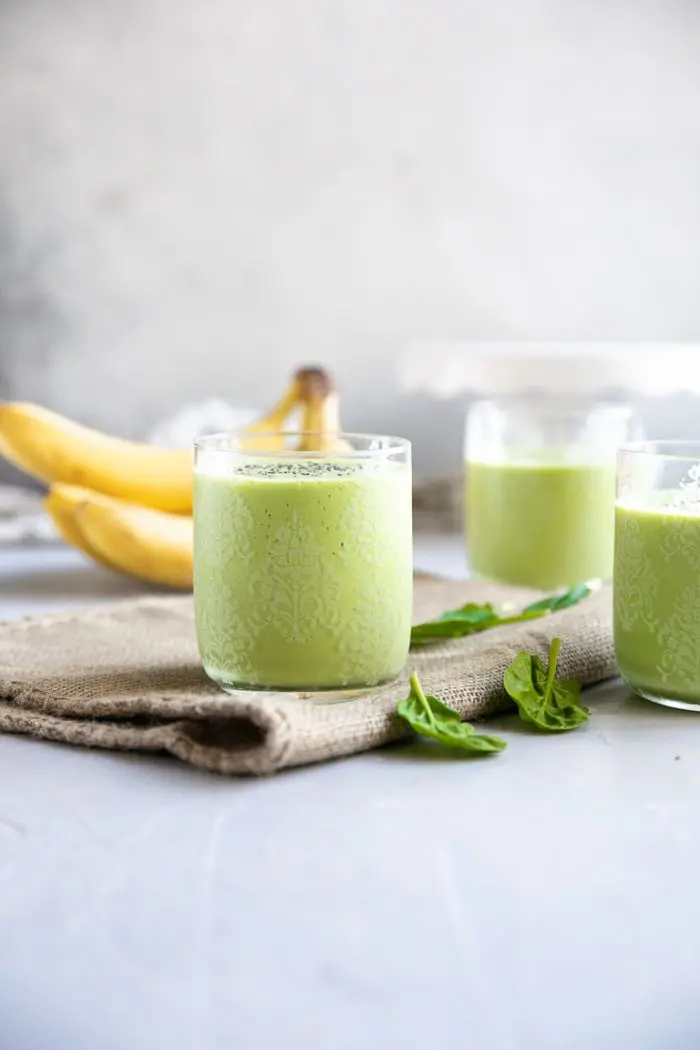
(429,716)
(542,700)
(557,602)
(457,623)
(472,618)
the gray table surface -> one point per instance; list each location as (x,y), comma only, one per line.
(546,898)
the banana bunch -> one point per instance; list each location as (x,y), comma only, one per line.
(128,505)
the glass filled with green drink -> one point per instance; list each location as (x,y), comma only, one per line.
(540,488)
(656,586)
(303,560)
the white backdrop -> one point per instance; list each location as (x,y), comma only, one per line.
(195,197)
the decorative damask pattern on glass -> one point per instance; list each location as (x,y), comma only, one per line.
(657,602)
(293,588)
(635,583)
(679,635)
(228,530)
(365,654)
(680,542)
(367,537)
(308,587)
(226,640)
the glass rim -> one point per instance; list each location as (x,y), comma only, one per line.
(388,443)
(665,448)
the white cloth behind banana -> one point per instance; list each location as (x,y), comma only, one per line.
(205,417)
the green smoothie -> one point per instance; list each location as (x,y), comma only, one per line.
(303,573)
(657,599)
(540,523)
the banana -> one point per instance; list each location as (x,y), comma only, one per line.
(54,449)
(126,504)
(61,504)
(321,416)
(142,542)
(266,432)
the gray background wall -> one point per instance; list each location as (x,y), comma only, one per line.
(195,197)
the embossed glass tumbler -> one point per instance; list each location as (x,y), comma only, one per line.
(656,582)
(540,487)
(303,566)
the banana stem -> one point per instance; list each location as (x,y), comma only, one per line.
(321,415)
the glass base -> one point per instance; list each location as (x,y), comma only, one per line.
(665,701)
(318,694)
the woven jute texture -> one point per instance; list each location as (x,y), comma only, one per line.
(127,676)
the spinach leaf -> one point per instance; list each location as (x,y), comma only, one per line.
(542,700)
(472,618)
(457,623)
(557,602)
(429,716)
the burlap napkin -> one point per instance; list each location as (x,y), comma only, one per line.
(127,676)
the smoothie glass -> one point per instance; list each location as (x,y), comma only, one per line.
(540,487)
(656,586)
(303,561)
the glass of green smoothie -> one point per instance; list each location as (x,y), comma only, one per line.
(656,585)
(540,487)
(303,561)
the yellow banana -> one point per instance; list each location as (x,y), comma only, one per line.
(61,504)
(266,432)
(142,542)
(52,448)
(321,416)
